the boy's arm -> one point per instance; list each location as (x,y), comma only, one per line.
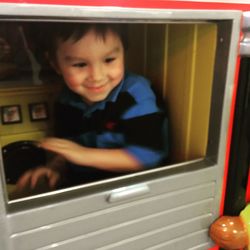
(116,160)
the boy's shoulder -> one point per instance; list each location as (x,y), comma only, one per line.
(137,85)
(132,79)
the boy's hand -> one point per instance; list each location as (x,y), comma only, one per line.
(32,177)
(69,150)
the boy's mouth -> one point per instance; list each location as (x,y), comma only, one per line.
(96,88)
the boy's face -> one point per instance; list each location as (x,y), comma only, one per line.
(92,66)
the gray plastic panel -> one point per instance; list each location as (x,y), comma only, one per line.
(204,246)
(33,218)
(186,242)
(130,221)
(142,241)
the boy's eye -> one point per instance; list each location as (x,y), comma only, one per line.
(79,65)
(109,59)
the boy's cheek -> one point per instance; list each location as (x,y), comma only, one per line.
(118,71)
(72,80)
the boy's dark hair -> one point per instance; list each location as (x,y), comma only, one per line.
(63,31)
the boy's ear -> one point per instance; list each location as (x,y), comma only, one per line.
(52,63)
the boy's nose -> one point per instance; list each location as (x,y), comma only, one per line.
(96,73)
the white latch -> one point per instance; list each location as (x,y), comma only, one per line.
(128,192)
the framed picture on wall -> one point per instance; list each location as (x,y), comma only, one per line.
(38,111)
(11,114)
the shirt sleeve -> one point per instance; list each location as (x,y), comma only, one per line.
(145,126)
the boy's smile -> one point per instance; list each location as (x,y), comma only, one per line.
(92,66)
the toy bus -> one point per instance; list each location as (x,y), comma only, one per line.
(193,52)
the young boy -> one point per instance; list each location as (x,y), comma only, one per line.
(109,116)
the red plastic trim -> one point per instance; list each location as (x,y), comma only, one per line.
(214,248)
(169,4)
(248,188)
